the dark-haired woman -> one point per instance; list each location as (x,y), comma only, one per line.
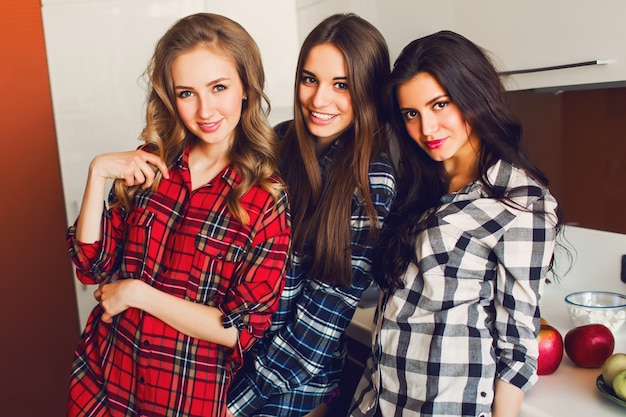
(465,252)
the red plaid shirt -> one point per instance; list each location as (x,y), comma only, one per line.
(185,243)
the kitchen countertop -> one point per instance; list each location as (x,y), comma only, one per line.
(570,391)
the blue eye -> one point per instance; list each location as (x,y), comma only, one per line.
(185,94)
(219,87)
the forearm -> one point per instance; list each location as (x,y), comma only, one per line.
(507,399)
(88,224)
(134,168)
(193,319)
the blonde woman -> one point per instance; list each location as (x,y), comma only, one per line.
(191,252)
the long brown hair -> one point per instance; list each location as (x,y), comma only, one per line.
(322,213)
(255,149)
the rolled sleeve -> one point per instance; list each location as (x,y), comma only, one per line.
(252,300)
(524,254)
(95,262)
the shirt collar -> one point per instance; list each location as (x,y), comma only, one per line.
(331,154)
(230,175)
(498,174)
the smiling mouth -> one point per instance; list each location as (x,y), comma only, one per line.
(209,127)
(323,116)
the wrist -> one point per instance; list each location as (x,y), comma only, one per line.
(137,293)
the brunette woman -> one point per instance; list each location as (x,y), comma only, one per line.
(335,161)
(465,252)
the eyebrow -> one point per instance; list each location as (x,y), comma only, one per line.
(312,74)
(429,102)
(210,83)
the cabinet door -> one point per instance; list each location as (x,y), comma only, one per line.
(522,35)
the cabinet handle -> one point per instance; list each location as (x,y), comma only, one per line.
(556,67)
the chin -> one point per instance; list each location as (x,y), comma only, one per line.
(325,132)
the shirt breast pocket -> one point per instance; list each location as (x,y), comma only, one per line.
(214,264)
(139,223)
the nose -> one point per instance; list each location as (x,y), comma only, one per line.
(205,106)
(321,97)
(429,124)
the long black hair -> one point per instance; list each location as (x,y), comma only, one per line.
(466,74)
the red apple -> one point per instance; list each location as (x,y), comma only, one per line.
(550,349)
(590,345)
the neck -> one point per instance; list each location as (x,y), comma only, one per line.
(205,162)
(463,167)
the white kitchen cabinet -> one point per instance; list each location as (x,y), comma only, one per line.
(523,35)
(518,34)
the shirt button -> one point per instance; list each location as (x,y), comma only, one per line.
(146,343)
(220,256)
(483,394)
(142,380)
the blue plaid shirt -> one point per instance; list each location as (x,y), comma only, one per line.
(299,361)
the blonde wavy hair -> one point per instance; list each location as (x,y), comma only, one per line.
(254,152)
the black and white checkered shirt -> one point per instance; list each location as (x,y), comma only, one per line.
(470,309)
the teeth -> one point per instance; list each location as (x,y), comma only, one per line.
(322,116)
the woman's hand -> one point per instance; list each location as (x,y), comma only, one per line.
(193,319)
(134,167)
(116,297)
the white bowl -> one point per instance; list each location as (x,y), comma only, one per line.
(591,307)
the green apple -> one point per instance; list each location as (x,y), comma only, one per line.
(615,364)
(619,385)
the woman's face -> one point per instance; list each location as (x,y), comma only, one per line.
(209,95)
(435,122)
(323,93)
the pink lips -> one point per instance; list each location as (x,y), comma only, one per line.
(209,127)
(435,144)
